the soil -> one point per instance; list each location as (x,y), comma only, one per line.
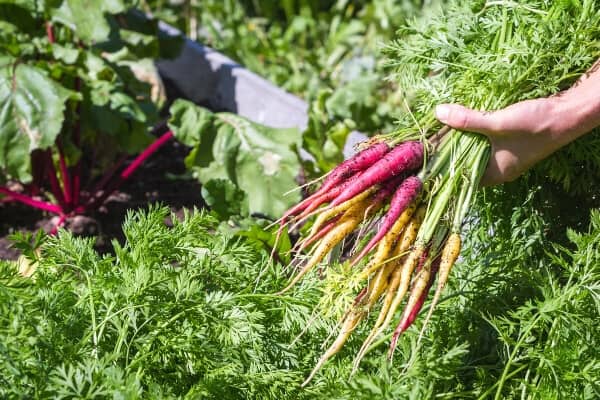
(156,181)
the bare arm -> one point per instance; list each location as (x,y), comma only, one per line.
(527,132)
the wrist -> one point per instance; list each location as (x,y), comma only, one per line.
(575,112)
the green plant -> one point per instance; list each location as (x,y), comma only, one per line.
(177,312)
(76,99)
(254,164)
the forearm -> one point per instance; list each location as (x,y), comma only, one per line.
(578,109)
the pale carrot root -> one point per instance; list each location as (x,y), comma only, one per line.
(406,271)
(397,289)
(361,306)
(319,235)
(277,238)
(350,220)
(328,242)
(378,285)
(350,323)
(419,286)
(392,286)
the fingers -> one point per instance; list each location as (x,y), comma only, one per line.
(464,118)
(492,175)
(503,166)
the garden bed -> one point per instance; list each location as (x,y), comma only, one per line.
(208,78)
(212,80)
(154,183)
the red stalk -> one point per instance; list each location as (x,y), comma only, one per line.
(49,32)
(59,223)
(40,205)
(131,168)
(139,160)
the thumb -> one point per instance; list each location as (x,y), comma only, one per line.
(463,118)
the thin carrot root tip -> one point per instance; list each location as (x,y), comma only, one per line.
(277,238)
(350,323)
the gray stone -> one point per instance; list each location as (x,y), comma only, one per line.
(208,78)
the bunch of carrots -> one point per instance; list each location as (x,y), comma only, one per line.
(400,204)
(396,208)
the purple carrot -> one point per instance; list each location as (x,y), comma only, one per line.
(346,170)
(405,194)
(359,162)
(316,199)
(388,188)
(328,196)
(405,157)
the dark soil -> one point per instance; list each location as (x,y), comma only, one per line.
(154,182)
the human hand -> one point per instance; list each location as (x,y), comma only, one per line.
(521,135)
(527,132)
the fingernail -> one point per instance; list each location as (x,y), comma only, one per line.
(442,112)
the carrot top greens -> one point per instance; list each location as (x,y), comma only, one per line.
(176,312)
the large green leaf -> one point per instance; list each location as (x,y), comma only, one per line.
(88,17)
(224,198)
(31,114)
(258,159)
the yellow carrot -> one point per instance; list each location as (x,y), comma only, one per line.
(404,243)
(368,297)
(420,284)
(397,287)
(449,255)
(350,220)
(394,281)
(332,212)
(406,270)
(378,285)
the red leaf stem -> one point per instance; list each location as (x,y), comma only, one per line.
(139,160)
(49,32)
(95,201)
(40,205)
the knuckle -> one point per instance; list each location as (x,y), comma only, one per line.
(463,120)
